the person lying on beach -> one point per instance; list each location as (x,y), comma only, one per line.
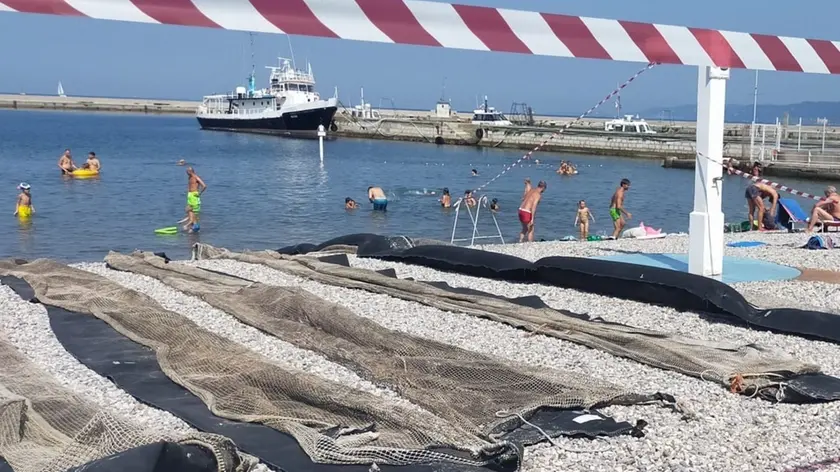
(65,163)
(582,219)
(377,196)
(827,209)
(617,211)
(92,162)
(755,195)
(350,204)
(24,207)
(445,199)
(469,200)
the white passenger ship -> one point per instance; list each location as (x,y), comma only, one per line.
(289,106)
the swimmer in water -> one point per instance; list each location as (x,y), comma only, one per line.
(494,205)
(377,196)
(65,163)
(181,163)
(350,204)
(195,187)
(24,207)
(474,172)
(445,199)
(92,162)
(582,219)
(469,199)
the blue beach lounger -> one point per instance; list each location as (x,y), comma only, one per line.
(791,215)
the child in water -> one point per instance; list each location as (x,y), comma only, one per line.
(24,208)
(582,219)
(350,204)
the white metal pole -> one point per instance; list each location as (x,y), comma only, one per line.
(752,141)
(799,135)
(824,120)
(705,253)
(322,133)
(755,98)
(763,140)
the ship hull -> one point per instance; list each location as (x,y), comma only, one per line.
(301,123)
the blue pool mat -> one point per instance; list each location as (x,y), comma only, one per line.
(735,269)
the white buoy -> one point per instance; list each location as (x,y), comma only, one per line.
(322,133)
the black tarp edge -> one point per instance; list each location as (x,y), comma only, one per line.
(654,285)
(708,297)
(156,457)
(134,369)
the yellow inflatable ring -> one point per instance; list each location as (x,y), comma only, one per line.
(84,173)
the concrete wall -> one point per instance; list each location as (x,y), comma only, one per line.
(35,102)
(448,132)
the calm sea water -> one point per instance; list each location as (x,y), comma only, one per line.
(266,192)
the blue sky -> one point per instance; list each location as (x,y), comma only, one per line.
(99,58)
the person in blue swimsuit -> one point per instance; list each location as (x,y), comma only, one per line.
(378,198)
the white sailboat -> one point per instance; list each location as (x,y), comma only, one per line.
(61,90)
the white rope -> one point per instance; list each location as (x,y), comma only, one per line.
(569,124)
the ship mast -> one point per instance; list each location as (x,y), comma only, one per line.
(252,78)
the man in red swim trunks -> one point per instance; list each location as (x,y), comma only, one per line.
(528,210)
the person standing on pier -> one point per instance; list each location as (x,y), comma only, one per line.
(617,211)
(195,187)
(65,163)
(528,211)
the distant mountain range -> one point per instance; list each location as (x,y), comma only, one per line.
(808,111)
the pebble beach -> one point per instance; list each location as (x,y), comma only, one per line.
(725,431)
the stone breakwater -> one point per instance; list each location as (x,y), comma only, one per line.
(727,432)
(579,140)
(97,104)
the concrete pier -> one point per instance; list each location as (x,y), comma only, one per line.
(125,105)
(585,140)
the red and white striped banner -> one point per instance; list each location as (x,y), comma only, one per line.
(467,27)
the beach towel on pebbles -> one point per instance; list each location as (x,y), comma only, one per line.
(820,242)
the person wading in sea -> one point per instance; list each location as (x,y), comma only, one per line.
(617,211)
(528,211)
(377,196)
(195,187)
(65,163)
